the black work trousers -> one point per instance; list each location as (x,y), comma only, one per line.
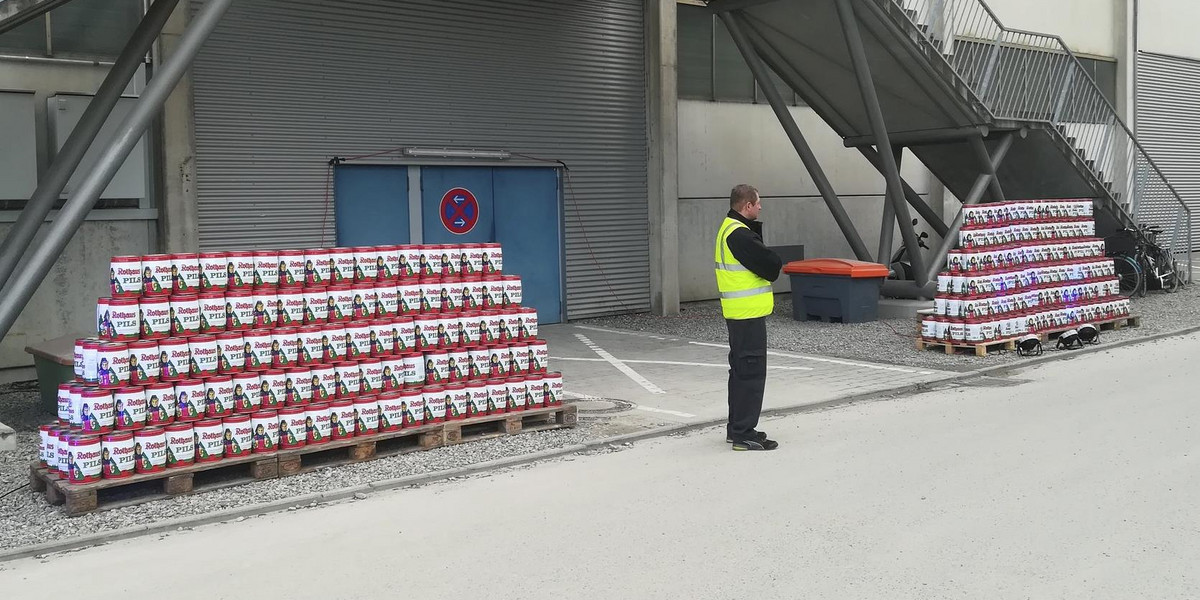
(747,375)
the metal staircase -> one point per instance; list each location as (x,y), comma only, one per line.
(995,113)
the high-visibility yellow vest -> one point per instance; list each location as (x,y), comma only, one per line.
(744,295)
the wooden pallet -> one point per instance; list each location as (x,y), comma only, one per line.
(492,426)
(980,349)
(294,461)
(78,499)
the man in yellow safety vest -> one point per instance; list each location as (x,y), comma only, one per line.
(745,269)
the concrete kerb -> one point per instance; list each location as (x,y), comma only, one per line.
(525,459)
(1035,362)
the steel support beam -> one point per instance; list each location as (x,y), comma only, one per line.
(870,97)
(887,228)
(775,60)
(985,161)
(63,228)
(15,13)
(68,158)
(914,199)
(759,70)
(917,138)
(981,185)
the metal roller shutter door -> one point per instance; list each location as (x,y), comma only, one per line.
(1168,125)
(283,85)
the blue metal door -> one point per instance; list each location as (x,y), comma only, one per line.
(518,207)
(371,205)
(529,229)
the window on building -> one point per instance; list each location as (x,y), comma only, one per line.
(710,65)
(82,28)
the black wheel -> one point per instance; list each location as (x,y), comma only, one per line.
(1149,273)
(1130,276)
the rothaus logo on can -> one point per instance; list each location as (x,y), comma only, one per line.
(371,374)
(204,355)
(154,317)
(240,309)
(265,430)
(214,271)
(130,408)
(366,264)
(297,385)
(84,463)
(392,373)
(285,347)
(359,341)
(406,334)
(342,262)
(258,345)
(239,437)
(478,399)
(291,307)
(213,316)
(366,417)
(291,268)
(389,263)
(156,274)
(388,295)
(125,276)
(153,454)
(266,305)
(341,303)
(185,273)
(414,370)
(383,340)
(231,352)
(144,362)
(241,270)
(408,298)
(346,380)
(497,396)
(266,269)
(316,305)
(95,411)
(316,267)
(125,319)
(175,358)
(112,370)
(185,315)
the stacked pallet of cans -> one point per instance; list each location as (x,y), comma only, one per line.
(1021,268)
(202,356)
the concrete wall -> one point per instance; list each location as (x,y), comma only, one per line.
(723,144)
(65,303)
(1169,27)
(1086,25)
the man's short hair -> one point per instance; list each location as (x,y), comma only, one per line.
(741,194)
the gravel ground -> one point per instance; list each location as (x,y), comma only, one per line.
(889,340)
(26,518)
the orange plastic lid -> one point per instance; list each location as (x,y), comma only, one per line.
(855,269)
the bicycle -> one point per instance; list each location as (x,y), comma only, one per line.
(1146,265)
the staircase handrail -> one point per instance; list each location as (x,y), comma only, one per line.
(1072,104)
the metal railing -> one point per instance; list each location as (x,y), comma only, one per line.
(1026,76)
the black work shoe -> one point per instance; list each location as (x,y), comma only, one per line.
(758,437)
(765,444)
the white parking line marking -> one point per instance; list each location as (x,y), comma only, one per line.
(674,363)
(629,333)
(827,360)
(620,366)
(665,411)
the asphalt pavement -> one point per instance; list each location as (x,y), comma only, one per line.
(1076,479)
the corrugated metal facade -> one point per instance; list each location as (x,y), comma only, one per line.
(1168,125)
(283,85)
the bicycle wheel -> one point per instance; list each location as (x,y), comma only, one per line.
(1130,276)
(1148,272)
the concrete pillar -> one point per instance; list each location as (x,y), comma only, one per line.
(1125,46)
(178,215)
(663,171)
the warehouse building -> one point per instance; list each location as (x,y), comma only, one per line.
(598,139)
